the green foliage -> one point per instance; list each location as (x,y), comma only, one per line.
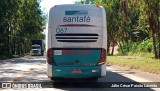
(130,22)
(20,22)
(145,46)
(2,57)
(140,48)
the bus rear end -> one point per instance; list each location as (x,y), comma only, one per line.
(76,42)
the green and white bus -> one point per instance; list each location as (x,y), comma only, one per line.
(76,41)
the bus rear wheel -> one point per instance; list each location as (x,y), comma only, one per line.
(53,78)
(92,79)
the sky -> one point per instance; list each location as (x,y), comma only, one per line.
(46,4)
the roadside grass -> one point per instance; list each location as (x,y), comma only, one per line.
(136,62)
(16,56)
(143,54)
(3,57)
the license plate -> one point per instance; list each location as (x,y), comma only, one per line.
(76,71)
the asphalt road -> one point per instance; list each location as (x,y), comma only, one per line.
(32,69)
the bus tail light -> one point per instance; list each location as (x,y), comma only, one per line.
(54,6)
(102,57)
(98,6)
(50,59)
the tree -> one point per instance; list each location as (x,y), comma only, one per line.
(19,25)
(130,21)
(152,9)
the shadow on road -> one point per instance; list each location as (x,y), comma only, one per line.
(26,59)
(19,67)
(103,84)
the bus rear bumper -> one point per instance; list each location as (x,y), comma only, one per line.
(76,72)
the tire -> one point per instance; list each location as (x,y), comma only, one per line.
(55,79)
(52,78)
(92,79)
(42,54)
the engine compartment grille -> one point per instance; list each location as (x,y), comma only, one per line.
(77,37)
